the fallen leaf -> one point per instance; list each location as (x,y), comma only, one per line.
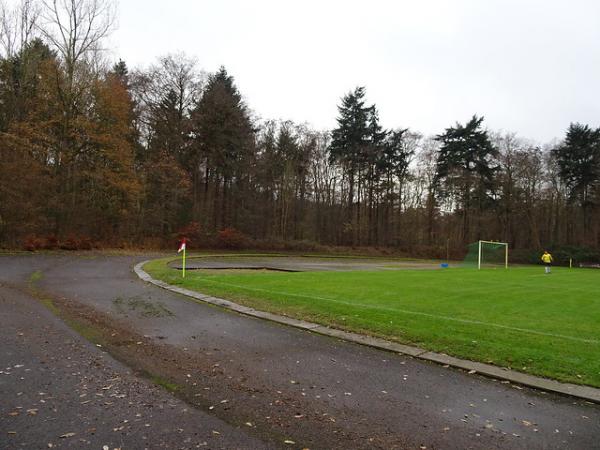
(67,435)
(287,441)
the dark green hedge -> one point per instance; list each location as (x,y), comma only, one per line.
(560,254)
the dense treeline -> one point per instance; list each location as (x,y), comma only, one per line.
(91,152)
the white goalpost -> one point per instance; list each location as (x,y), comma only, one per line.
(483,245)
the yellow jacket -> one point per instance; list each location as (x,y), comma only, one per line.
(547,258)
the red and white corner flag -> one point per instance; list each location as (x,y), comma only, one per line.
(182,249)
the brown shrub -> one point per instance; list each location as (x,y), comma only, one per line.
(193,235)
(50,242)
(70,243)
(86,243)
(232,238)
(74,242)
(192,232)
(32,243)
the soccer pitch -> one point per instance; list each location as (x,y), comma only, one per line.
(547,325)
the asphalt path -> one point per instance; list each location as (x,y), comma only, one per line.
(285,384)
(57,390)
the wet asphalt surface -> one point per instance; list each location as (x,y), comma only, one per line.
(59,391)
(327,393)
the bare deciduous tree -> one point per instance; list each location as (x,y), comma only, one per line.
(18,25)
(76,29)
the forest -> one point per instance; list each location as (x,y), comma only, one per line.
(96,153)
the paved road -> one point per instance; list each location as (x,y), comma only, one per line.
(287,384)
(59,391)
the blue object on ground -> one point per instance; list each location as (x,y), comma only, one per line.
(444,265)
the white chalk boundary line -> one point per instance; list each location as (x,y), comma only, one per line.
(408,312)
(583,392)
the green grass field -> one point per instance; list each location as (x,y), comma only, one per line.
(547,325)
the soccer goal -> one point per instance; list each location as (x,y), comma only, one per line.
(487,254)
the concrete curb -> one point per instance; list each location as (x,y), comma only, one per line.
(584,392)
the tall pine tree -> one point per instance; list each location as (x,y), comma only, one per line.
(224,138)
(466,166)
(578,160)
(353,144)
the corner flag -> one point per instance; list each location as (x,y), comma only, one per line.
(182,249)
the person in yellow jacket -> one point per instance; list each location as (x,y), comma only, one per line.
(547,260)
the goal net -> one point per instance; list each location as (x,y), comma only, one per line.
(487,254)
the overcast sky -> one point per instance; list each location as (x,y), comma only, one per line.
(529,66)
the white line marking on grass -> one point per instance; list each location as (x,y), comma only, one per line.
(416,313)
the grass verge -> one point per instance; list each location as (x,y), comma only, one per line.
(546,325)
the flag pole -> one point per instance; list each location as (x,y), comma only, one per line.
(183,266)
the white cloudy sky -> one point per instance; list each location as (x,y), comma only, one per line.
(529,66)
